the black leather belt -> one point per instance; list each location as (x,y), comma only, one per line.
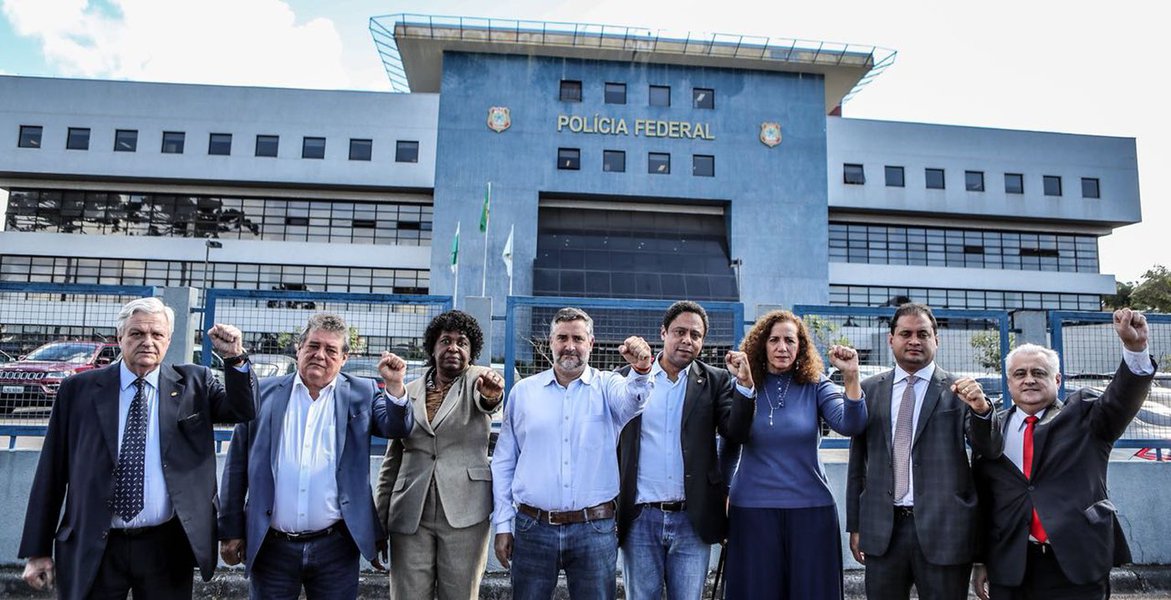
(904,512)
(305,536)
(604,510)
(676,506)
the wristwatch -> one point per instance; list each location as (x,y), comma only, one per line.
(237,360)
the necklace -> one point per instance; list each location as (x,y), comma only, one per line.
(781,393)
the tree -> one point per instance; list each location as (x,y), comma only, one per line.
(1154,292)
(1121,298)
(987,347)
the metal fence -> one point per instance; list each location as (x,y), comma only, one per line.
(51,331)
(1090,354)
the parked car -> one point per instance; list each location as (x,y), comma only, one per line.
(6,357)
(269,365)
(33,380)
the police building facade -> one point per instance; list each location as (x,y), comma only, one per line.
(628,165)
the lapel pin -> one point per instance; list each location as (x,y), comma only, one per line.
(173,394)
(699,380)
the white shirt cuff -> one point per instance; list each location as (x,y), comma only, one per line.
(1139,363)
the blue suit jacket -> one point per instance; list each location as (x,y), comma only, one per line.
(361,411)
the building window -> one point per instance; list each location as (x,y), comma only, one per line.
(267,145)
(1090,188)
(30,136)
(1014,183)
(853,174)
(1052,185)
(935,179)
(78,138)
(974,181)
(219,144)
(703,98)
(361,149)
(126,140)
(660,95)
(173,142)
(614,161)
(895,177)
(658,163)
(703,165)
(615,93)
(406,151)
(570,90)
(568,159)
(313,147)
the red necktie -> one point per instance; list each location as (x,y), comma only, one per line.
(1035,528)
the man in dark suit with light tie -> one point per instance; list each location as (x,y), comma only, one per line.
(304,466)
(131,451)
(910,496)
(1053,532)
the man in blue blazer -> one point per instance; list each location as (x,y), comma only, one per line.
(304,466)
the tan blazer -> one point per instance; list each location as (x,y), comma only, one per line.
(453,449)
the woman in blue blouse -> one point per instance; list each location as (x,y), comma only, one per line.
(784,541)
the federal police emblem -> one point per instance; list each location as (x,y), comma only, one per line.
(770,133)
(499,118)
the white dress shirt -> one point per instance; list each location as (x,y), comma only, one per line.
(660,448)
(156,500)
(305,497)
(923,379)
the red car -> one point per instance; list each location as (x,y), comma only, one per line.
(33,380)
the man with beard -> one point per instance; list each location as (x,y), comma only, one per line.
(555,468)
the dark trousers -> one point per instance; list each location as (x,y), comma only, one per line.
(153,562)
(326,566)
(889,576)
(1044,579)
(784,554)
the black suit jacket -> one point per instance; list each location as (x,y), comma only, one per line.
(1071,451)
(81,449)
(945,495)
(711,404)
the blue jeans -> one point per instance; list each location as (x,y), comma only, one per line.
(662,547)
(327,566)
(588,552)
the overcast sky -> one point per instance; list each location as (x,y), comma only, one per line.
(1071,66)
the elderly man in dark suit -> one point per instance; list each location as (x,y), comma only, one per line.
(304,466)
(131,451)
(910,496)
(671,500)
(1053,532)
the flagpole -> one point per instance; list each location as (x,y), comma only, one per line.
(487,222)
(455,268)
(507,256)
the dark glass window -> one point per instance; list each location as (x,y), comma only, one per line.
(313,147)
(660,95)
(406,151)
(267,145)
(615,93)
(703,165)
(173,142)
(934,179)
(570,90)
(1052,185)
(703,98)
(853,174)
(895,177)
(568,159)
(974,181)
(78,138)
(30,136)
(361,149)
(614,161)
(126,140)
(1090,188)
(1014,183)
(658,163)
(219,144)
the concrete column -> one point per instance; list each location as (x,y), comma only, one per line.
(480,307)
(182,301)
(1031,327)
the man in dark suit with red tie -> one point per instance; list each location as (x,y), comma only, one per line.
(1053,532)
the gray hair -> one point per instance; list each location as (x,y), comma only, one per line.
(1050,356)
(568,314)
(326,322)
(148,306)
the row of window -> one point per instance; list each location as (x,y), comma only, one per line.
(861,295)
(657,163)
(657,95)
(218,144)
(274,219)
(244,276)
(973,249)
(935,179)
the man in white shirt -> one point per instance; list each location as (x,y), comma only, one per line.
(304,465)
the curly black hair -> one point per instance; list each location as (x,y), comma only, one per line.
(453,320)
